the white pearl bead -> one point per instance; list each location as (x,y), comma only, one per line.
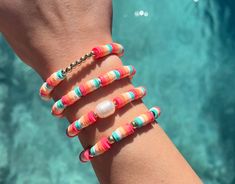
(105,109)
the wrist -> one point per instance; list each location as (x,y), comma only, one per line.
(58,57)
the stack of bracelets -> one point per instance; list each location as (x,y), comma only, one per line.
(104,109)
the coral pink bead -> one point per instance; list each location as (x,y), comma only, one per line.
(96,52)
(121,71)
(149,117)
(105,143)
(72,130)
(105,79)
(91,117)
(65,100)
(85,156)
(82,89)
(135,93)
(134,71)
(118,101)
(129,129)
(117,48)
(44,91)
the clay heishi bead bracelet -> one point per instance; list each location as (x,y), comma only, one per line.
(97,53)
(90,86)
(105,109)
(120,133)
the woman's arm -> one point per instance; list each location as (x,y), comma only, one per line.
(48,35)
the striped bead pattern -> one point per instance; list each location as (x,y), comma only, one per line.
(90,118)
(50,84)
(122,132)
(144,119)
(129,96)
(97,53)
(100,147)
(90,86)
(104,50)
(84,121)
(117,135)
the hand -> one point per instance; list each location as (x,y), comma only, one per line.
(50,33)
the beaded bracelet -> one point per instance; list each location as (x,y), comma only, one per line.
(120,133)
(97,53)
(105,109)
(90,86)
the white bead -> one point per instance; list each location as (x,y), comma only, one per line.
(105,109)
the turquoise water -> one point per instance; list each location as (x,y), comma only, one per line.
(184,54)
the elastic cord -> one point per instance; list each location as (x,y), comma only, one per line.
(105,109)
(90,86)
(120,133)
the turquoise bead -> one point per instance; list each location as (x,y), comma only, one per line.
(97,82)
(78,125)
(143,89)
(138,122)
(132,95)
(110,48)
(92,151)
(60,105)
(77,91)
(60,74)
(131,69)
(48,87)
(117,74)
(116,136)
(155,112)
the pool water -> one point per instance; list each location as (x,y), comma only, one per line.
(184,55)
